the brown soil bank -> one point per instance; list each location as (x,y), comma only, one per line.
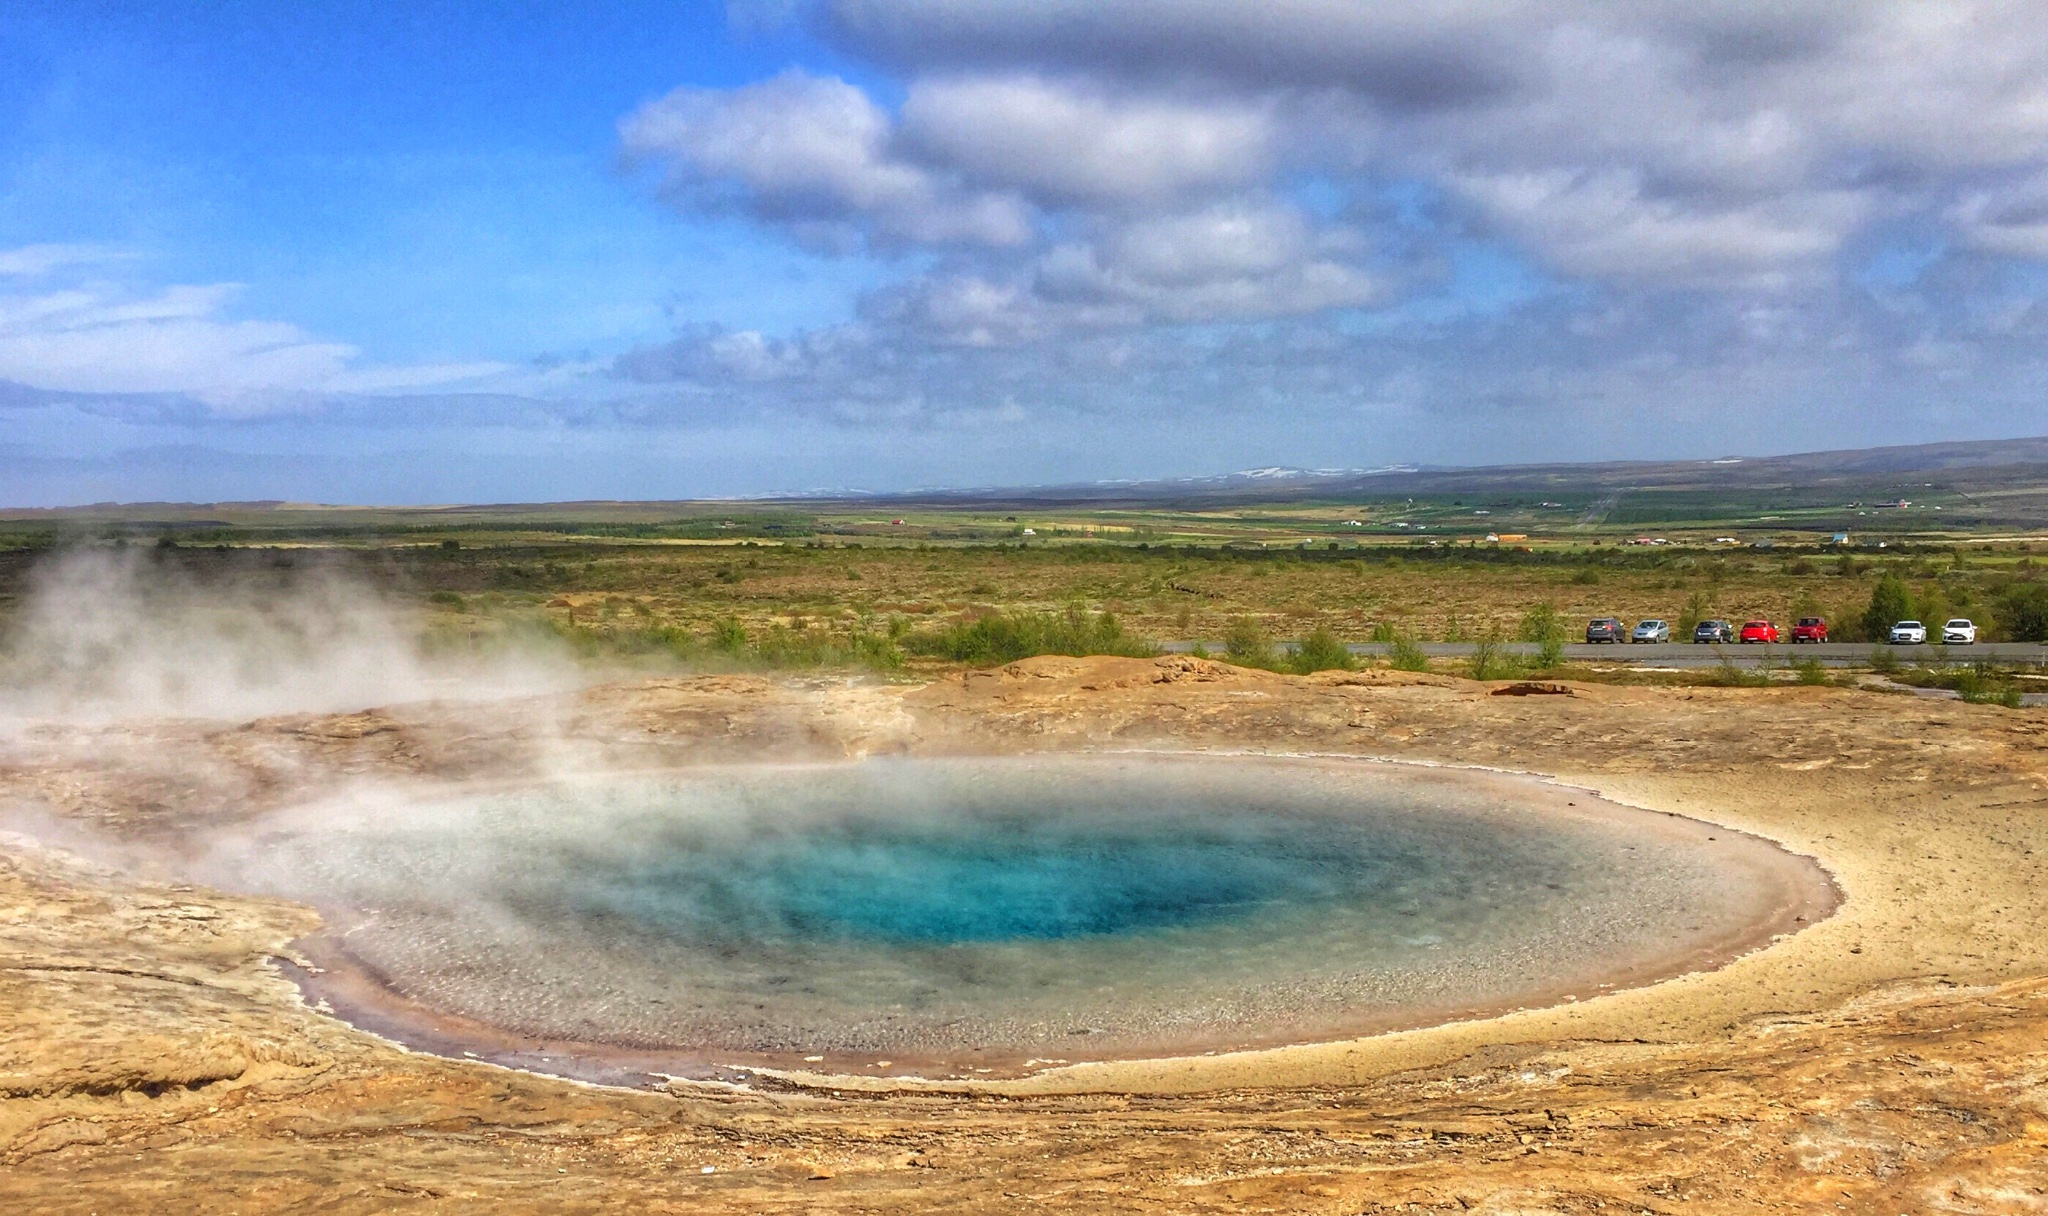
(1892,1058)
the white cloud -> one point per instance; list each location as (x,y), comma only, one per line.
(1063,141)
(1230,261)
(2011,220)
(95,336)
(1607,226)
(1556,208)
(35,261)
(92,340)
(1715,143)
(814,154)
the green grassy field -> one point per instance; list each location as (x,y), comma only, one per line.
(902,587)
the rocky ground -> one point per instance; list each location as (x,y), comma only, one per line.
(1892,1059)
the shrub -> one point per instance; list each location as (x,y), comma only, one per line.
(1383,631)
(1811,671)
(878,651)
(1407,656)
(2024,609)
(1981,685)
(1321,651)
(1890,602)
(1248,646)
(1696,608)
(729,636)
(1005,638)
(1728,673)
(449,599)
(1550,653)
(1489,662)
(1541,624)
(1883,661)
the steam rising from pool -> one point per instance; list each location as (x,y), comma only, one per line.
(977,910)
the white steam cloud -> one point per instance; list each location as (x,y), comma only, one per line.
(103,636)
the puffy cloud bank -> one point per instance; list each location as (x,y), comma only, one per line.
(1430,212)
(1078,239)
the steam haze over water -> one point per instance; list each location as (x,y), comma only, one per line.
(979,910)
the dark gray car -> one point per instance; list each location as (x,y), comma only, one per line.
(1714,631)
(1606,629)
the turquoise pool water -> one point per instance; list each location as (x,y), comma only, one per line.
(969,910)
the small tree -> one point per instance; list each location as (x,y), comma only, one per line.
(1696,607)
(1321,651)
(1542,624)
(2024,610)
(729,636)
(1248,646)
(1488,663)
(1406,655)
(1890,603)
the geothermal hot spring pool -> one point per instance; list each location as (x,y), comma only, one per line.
(949,916)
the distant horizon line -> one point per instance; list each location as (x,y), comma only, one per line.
(1279,474)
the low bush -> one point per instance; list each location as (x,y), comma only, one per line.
(1406,655)
(1490,662)
(2024,609)
(1541,624)
(1321,651)
(1006,637)
(1248,646)
(1730,674)
(1978,683)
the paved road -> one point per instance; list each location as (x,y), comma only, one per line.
(1679,654)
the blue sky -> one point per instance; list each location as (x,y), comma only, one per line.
(439,181)
(364,252)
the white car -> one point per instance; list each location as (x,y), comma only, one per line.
(1909,633)
(1958,632)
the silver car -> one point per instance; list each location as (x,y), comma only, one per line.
(1651,631)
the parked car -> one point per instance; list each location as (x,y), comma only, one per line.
(1606,629)
(1810,629)
(1759,631)
(1651,631)
(1959,632)
(1908,633)
(1714,631)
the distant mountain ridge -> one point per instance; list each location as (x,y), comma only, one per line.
(2005,465)
(1995,460)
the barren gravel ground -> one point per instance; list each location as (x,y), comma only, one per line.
(1893,1058)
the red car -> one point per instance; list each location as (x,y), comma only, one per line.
(1758,631)
(1810,629)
